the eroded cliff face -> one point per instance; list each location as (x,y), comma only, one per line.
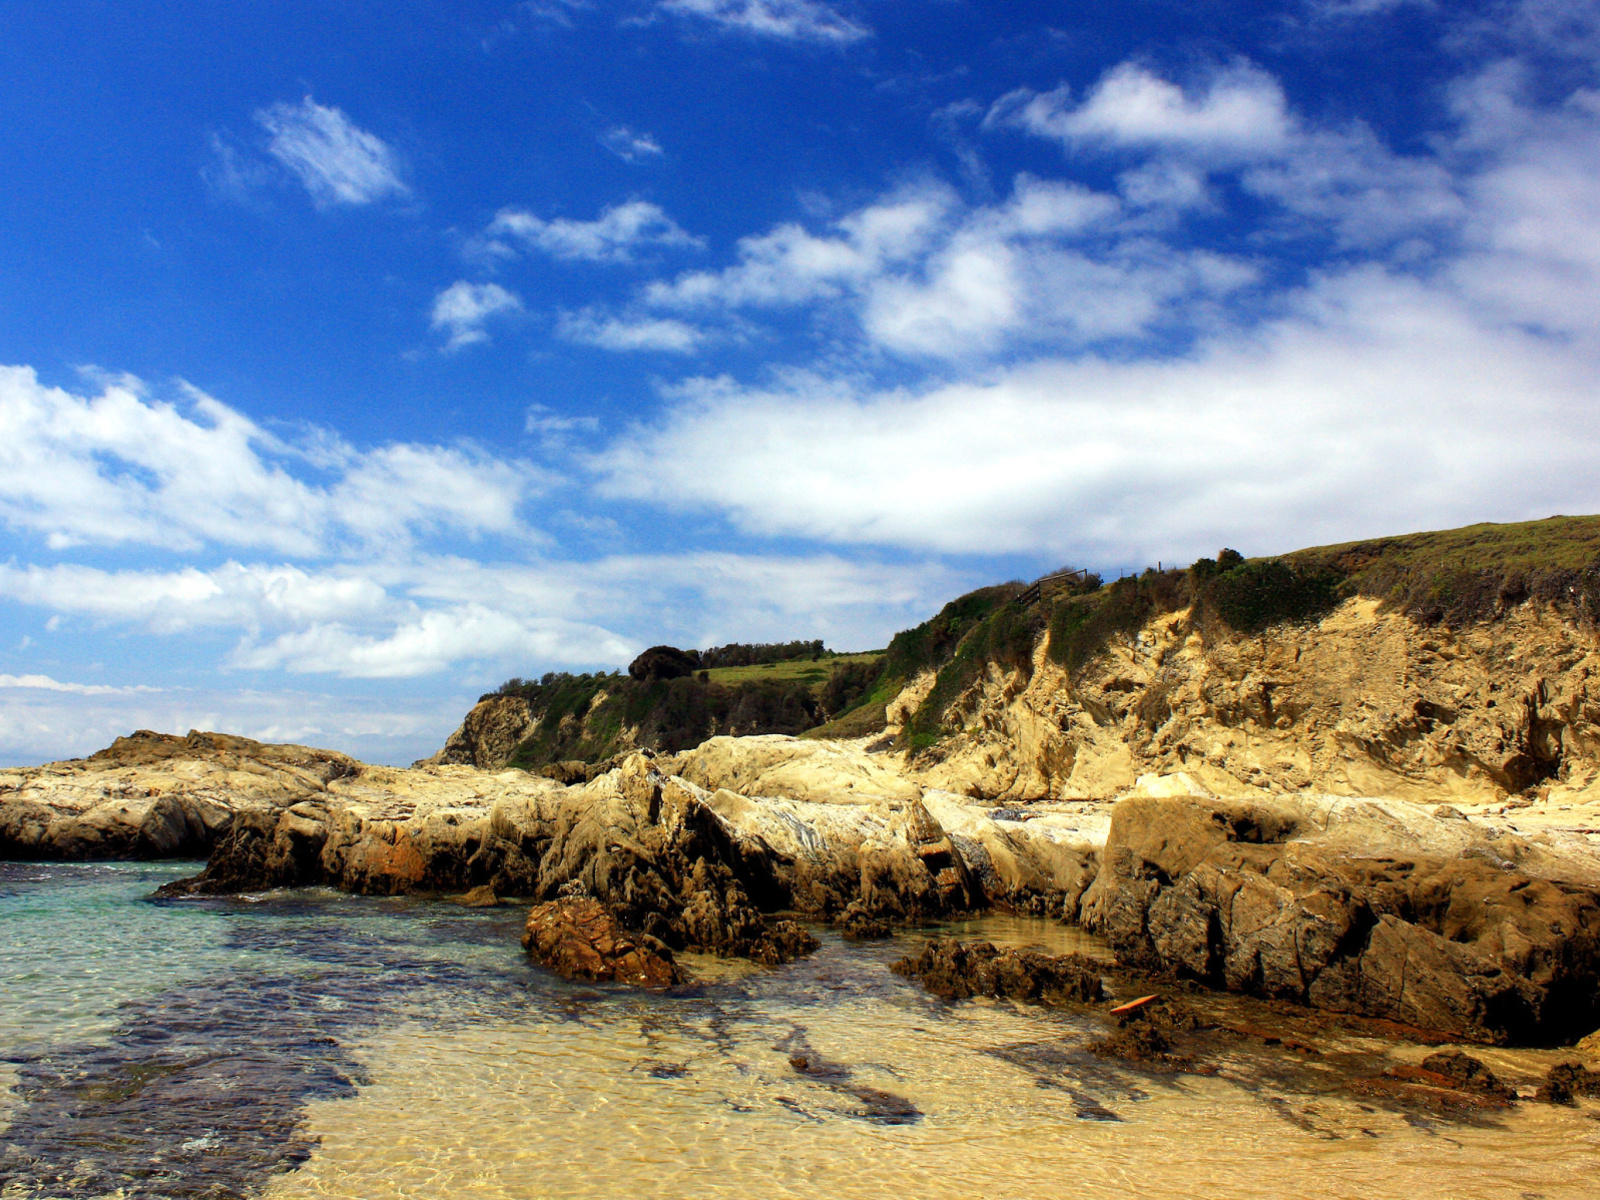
(1361,703)
(488,736)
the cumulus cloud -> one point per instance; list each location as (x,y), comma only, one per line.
(336,160)
(615,236)
(432,641)
(122,468)
(1379,403)
(1439,372)
(786,20)
(594,328)
(1239,112)
(463,308)
(232,595)
(630,146)
(927,276)
(791,265)
(421,614)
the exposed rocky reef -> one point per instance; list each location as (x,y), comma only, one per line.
(1370,907)
(577,937)
(957,971)
(156,795)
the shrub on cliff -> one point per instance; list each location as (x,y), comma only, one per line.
(1255,594)
(1082,626)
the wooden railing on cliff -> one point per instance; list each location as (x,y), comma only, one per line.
(1034,592)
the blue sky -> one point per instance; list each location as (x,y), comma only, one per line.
(355,357)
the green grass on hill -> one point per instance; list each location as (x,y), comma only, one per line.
(1553,543)
(1459,576)
(813,671)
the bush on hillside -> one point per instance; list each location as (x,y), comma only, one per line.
(1082,626)
(1253,595)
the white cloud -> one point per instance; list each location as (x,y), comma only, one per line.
(336,160)
(120,468)
(43,683)
(926,276)
(418,615)
(614,236)
(630,146)
(787,20)
(432,641)
(792,266)
(232,595)
(594,328)
(1378,403)
(557,12)
(556,427)
(462,309)
(1238,114)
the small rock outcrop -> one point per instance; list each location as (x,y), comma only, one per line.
(156,795)
(488,736)
(1341,905)
(577,937)
(956,971)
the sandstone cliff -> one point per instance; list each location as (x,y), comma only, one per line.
(1360,702)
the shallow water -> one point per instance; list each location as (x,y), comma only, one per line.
(313,1044)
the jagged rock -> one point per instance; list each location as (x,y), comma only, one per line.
(957,971)
(859,925)
(1338,904)
(1364,702)
(1141,1043)
(488,735)
(578,938)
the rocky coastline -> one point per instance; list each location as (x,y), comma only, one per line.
(1425,917)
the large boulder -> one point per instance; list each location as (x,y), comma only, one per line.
(1355,906)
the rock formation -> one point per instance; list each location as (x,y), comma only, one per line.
(488,736)
(154,795)
(1358,906)
(1363,702)
(577,937)
(957,970)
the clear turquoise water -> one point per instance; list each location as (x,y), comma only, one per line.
(315,1044)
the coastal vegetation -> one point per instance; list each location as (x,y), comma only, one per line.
(672,699)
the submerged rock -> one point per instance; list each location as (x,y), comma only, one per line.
(957,970)
(1467,1072)
(578,938)
(1566,1082)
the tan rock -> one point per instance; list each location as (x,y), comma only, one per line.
(488,736)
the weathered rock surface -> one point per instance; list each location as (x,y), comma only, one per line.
(488,735)
(579,938)
(153,795)
(956,971)
(1357,906)
(1361,703)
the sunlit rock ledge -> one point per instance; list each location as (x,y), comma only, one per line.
(1484,924)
